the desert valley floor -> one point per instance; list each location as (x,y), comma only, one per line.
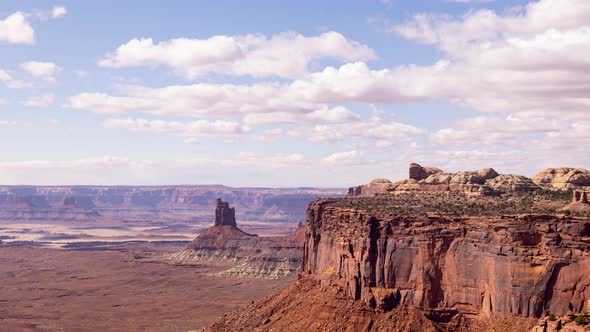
(118,288)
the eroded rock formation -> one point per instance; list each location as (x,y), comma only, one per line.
(485,266)
(563,178)
(245,254)
(418,172)
(224,215)
(384,264)
(484,182)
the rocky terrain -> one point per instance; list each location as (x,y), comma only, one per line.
(469,251)
(484,182)
(156,203)
(249,254)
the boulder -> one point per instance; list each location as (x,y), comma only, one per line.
(376,186)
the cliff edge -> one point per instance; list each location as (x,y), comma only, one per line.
(433,261)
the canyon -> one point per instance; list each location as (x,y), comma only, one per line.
(158,203)
(392,258)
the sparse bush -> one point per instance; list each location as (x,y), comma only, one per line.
(552,317)
(582,320)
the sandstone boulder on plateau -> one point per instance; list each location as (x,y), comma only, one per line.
(418,172)
(376,186)
(563,178)
(509,182)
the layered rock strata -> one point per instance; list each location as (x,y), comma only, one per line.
(484,182)
(563,178)
(247,255)
(370,266)
(484,266)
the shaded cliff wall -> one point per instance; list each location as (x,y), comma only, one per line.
(490,266)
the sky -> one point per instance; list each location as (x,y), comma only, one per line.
(289,93)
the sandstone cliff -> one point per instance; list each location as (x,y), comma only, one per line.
(409,263)
(247,255)
(484,182)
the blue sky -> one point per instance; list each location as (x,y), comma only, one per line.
(290,93)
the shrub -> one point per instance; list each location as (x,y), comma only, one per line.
(582,320)
(552,317)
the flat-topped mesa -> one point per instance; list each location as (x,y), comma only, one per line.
(224,215)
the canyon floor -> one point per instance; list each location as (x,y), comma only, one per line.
(116,288)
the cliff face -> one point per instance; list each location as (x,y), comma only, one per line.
(409,263)
(480,266)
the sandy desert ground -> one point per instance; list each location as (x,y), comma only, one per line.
(116,288)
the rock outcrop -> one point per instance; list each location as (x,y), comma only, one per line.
(246,255)
(418,172)
(563,178)
(376,186)
(484,182)
(373,265)
(224,215)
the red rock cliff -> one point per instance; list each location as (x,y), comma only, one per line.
(525,265)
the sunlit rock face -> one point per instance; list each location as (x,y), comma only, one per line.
(486,266)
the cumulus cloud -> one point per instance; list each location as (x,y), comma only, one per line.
(523,69)
(41,70)
(284,55)
(16,29)
(44,100)
(196,100)
(353,82)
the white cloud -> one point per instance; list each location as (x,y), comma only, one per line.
(15,29)
(41,70)
(7,123)
(383,133)
(58,12)
(323,115)
(10,82)
(344,156)
(283,55)
(196,100)
(108,170)
(44,100)
(194,128)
